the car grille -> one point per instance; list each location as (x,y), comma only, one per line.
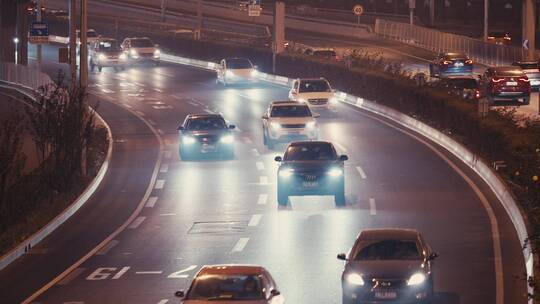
(309,177)
(319,101)
(291,126)
(390,284)
(207,139)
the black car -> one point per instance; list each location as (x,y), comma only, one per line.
(448,64)
(203,134)
(311,168)
(464,87)
(388,266)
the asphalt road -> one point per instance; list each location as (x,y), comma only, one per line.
(214,211)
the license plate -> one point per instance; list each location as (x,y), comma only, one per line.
(385,295)
(313,184)
(207,148)
(511,83)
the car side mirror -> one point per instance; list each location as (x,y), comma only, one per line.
(432,256)
(274,292)
(343,157)
(342,257)
(232,127)
(180,128)
(278,159)
(316,115)
(180,294)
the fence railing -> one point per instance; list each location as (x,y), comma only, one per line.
(29,77)
(433,40)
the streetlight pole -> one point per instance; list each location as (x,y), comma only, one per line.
(486,19)
(199,20)
(83,60)
(38,46)
(72,42)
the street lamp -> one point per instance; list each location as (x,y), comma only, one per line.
(16,41)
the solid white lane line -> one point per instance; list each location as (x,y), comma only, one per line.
(160,183)
(140,113)
(151,202)
(260,166)
(108,247)
(167,214)
(164,301)
(255,219)
(160,131)
(263,180)
(372,207)
(193,104)
(137,222)
(240,245)
(119,274)
(255,152)
(164,168)
(152,122)
(148,272)
(361,172)
(341,147)
(72,276)
(167,154)
(263,199)
(247,140)
(127,106)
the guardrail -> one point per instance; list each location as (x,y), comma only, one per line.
(433,40)
(22,75)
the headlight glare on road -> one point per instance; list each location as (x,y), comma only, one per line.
(188,140)
(134,53)
(122,57)
(157,53)
(310,125)
(285,172)
(416,279)
(102,57)
(227,139)
(335,172)
(254,73)
(275,125)
(355,279)
(334,100)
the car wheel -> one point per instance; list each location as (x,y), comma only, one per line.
(282,196)
(156,63)
(265,138)
(431,74)
(92,65)
(347,300)
(526,100)
(99,68)
(339,196)
(183,155)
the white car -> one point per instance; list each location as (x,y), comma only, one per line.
(232,284)
(236,70)
(141,49)
(316,92)
(286,121)
(91,36)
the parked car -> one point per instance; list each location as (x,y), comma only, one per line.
(232,284)
(531,70)
(141,49)
(388,266)
(502,38)
(288,120)
(235,71)
(327,53)
(464,87)
(451,64)
(202,134)
(506,84)
(316,92)
(105,52)
(311,168)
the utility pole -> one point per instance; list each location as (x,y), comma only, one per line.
(486,19)
(83,60)
(38,46)
(412,6)
(163,8)
(279,32)
(73,42)
(432,12)
(528,29)
(198,31)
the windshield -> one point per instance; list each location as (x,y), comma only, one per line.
(509,72)
(226,288)
(108,46)
(206,123)
(314,86)
(310,152)
(239,64)
(91,34)
(387,250)
(290,111)
(455,56)
(527,66)
(141,43)
(324,53)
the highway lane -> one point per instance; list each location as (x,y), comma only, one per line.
(226,212)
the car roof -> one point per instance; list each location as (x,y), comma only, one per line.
(231,269)
(455,54)
(312,79)
(309,142)
(203,115)
(508,70)
(389,233)
(287,103)
(236,58)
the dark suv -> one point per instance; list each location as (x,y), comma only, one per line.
(311,168)
(506,84)
(451,64)
(205,134)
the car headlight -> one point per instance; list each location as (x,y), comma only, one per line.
(354,279)
(416,279)
(188,140)
(302,100)
(285,172)
(335,172)
(229,74)
(122,57)
(133,53)
(227,139)
(157,52)
(275,125)
(102,57)
(310,125)
(334,99)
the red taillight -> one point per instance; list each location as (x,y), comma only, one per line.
(477,94)
(447,62)
(497,80)
(468,61)
(524,79)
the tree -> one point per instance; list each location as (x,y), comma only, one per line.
(12,160)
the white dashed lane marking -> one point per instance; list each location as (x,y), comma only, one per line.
(263,199)
(140,113)
(148,272)
(151,202)
(361,172)
(164,301)
(372,207)
(255,219)
(240,245)
(160,183)
(137,222)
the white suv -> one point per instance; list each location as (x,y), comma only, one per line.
(141,49)
(236,70)
(316,92)
(288,120)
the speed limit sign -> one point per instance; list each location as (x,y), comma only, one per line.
(358,10)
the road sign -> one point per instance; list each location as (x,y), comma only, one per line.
(358,10)
(39,32)
(254,10)
(526,44)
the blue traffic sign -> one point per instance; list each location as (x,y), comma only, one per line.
(39,32)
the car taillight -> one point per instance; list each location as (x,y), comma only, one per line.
(497,80)
(447,62)
(468,61)
(524,79)
(477,94)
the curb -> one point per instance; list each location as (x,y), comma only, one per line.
(495,183)
(34,239)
